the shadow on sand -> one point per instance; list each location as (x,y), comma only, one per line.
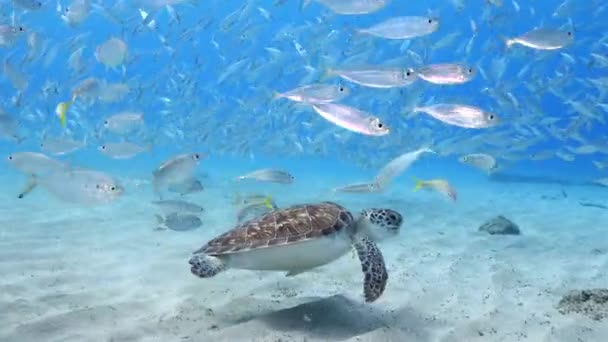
(339,318)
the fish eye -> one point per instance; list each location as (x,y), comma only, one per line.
(113,188)
(379,125)
(470,70)
(10,157)
(430,21)
(341,89)
(491,116)
(569,33)
(196,156)
(408,73)
(105,122)
(103,147)
(21,28)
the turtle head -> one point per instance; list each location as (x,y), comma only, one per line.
(379,224)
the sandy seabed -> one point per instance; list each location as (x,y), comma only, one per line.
(104,274)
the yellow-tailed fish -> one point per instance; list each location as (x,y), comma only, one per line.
(62,110)
(439,185)
(268,202)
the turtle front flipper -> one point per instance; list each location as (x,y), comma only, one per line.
(206,266)
(372,265)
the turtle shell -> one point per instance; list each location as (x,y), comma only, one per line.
(282,227)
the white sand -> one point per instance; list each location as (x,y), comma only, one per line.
(105,275)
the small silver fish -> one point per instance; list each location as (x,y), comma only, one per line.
(31,5)
(10,34)
(9,128)
(446,73)
(376,77)
(460,115)
(124,123)
(175,170)
(397,166)
(179,206)
(179,222)
(269,175)
(255,209)
(190,186)
(315,93)
(34,163)
(481,161)
(360,188)
(87,187)
(60,146)
(352,119)
(543,39)
(351,7)
(122,150)
(403,27)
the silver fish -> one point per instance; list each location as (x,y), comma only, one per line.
(121,150)
(395,167)
(31,5)
(315,93)
(60,146)
(352,7)
(460,115)
(188,187)
(269,175)
(446,73)
(352,119)
(87,187)
(482,161)
(360,188)
(376,77)
(179,206)
(9,128)
(175,170)
(403,27)
(543,39)
(256,209)
(33,163)
(124,123)
(179,222)
(10,34)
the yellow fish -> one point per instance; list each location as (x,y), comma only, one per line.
(61,110)
(439,185)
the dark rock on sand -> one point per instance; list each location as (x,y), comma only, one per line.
(500,225)
(591,303)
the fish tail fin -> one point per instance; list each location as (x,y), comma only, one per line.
(159,219)
(268,202)
(63,119)
(508,42)
(29,186)
(276,95)
(419,184)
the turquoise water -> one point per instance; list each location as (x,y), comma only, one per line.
(104,271)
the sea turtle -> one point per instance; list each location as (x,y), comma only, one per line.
(302,237)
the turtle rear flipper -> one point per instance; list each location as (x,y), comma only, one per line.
(372,265)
